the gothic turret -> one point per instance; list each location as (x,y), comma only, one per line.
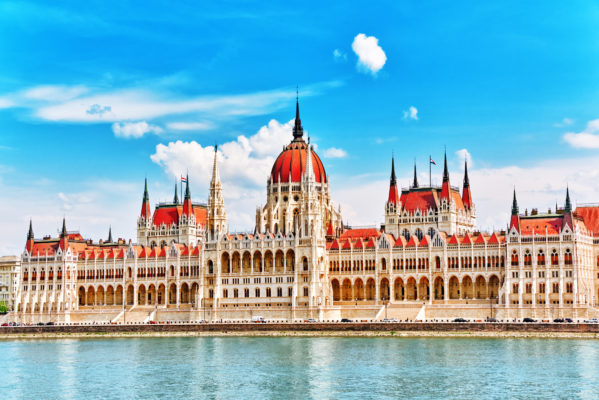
(445,188)
(415,181)
(30,240)
(298,131)
(393,205)
(515,219)
(109,240)
(64,237)
(146,213)
(217,216)
(466,195)
(176,198)
(393,191)
(187,207)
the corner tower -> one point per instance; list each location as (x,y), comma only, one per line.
(217,215)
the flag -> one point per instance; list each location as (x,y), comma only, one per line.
(183,179)
(432,161)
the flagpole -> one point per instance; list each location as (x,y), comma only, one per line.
(430,179)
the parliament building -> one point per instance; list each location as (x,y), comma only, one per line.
(427,260)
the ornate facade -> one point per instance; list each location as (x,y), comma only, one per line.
(427,260)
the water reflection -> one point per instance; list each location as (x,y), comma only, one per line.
(298,368)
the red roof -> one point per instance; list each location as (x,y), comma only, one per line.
(359,244)
(538,225)
(466,239)
(370,243)
(425,199)
(393,194)
(401,241)
(413,241)
(169,215)
(291,163)
(361,233)
(480,239)
(347,245)
(334,245)
(494,239)
(590,216)
(453,240)
(424,241)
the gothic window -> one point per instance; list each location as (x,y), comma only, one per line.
(406,234)
(431,232)
(419,234)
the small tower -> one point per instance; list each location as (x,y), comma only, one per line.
(466,195)
(217,216)
(415,181)
(30,239)
(393,205)
(144,222)
(109,240)
(515,218)
(187,206)
(176,198)
(446,188)
(64,237)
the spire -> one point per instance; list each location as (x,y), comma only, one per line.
(30,233)
(309,172)
(187,193)
(515,219)
(63,232)
(176,199)
(466,195)
(29,243)
(109,240)
(568,206)
(298,131)
(217,218)
(445,188)
(146,197)
(515,210)
(415,185)
(393,192)
(145,204)
(215,174)
(187,208)
(393,178)
(64,239)
(445,171)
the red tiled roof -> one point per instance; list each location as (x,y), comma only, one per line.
(291,163)
(361,233)
(467,239)
(401,241)
(347,245)
(480,239)
(453,240)
(590,216)
(538,225)
(424,241)
(169,215)
(425,199)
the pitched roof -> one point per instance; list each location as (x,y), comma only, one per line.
(590,216)
(363,233)
(539,223)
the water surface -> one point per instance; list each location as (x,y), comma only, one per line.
(299,368)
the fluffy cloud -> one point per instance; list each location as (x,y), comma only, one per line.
(371,57)
(134,129)
(410,113)
(188,126)
(334,152)
(464,154)
(244,166)
(587,139)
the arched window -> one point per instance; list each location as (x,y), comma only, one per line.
(514,258)
(268,293)
(527,258)
(541,258)
(257,292)
(210,267)
(305,263)
(306,291)
(290,291)
(279,292)
(568,257)
(431,232)
(419,234)
(406,234)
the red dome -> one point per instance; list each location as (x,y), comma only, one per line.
(292,162)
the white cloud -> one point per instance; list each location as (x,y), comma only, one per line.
(339,55)
(134,129)
(6,103)
(52,93)
(244,166)
(334,152)
(587,139)
(464,154)
(410,113)
(371,57)
(564,122)
(189,126)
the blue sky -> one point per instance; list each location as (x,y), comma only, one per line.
(94,98)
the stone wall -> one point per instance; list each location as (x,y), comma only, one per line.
(305,327)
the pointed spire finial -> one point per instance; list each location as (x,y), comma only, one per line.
(515,210)
(146,196)
(445,170)
(298,131)
(466,180)
(415,176)
(30,233)
(109,234)
(568,206)
(393,178)
(176,198)
(63,233)
(187,193)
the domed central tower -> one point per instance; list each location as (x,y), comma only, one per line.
(290,166)
(298,200)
